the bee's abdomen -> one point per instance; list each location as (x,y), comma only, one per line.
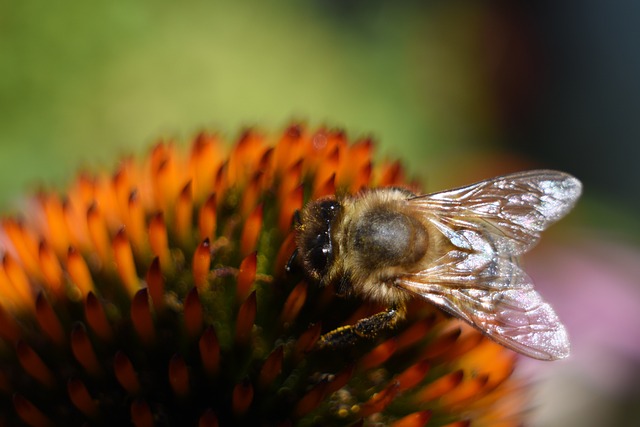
(386,238)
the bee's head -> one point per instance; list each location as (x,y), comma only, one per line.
(313,236)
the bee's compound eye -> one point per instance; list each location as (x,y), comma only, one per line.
(314,239)
(319,257)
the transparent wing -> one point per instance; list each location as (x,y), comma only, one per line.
(495,296)
(478,278)
(511,209)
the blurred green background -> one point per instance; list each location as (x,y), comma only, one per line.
(459,90)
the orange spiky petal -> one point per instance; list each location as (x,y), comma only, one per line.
(468,389)
(121,183)
(311,399)
(56,226)
(80,397)
(291,203)
(466,343)
(327,169)
(361,179)
(5,383)
(33,364)
(123,255)
(201,265)
(97,227)
(417,419)
(9,298)
(83,350)
(96,317)
(48,321)
(83,192)
(489,358)
(183,213)
(79,272)
(289,149)
(209,351)
(443,344)
(292,178)
(271,367)
(379,401)
(307,340)
(265,166)
(19,282)
(29,413)
(23,242)
(294,303)
(193,313)
(178,376)
(340,379)
(75,219)
(8,327)
(135,224)
(251,193)
(208,419)
(165,177)
(245,319)
(355,164)
(414,333)
(207,219)
(251,232)
(125,373)
(440,386)
(464,423)
(206,155)
(141,415)
(221,183)
(284,254)
(245,157)
(246,276)
(379,354)
(242,396)
(155,285)
(141,316)
(159,241)
(325,188)
(413,375)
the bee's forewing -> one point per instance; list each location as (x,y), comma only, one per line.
(515,208)
(489,224)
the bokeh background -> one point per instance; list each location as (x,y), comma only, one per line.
(460,90)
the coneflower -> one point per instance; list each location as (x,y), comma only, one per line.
(157,296)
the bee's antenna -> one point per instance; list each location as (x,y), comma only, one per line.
(289,266)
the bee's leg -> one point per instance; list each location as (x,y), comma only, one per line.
(366,328)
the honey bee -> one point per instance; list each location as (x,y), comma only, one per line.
(458,249)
